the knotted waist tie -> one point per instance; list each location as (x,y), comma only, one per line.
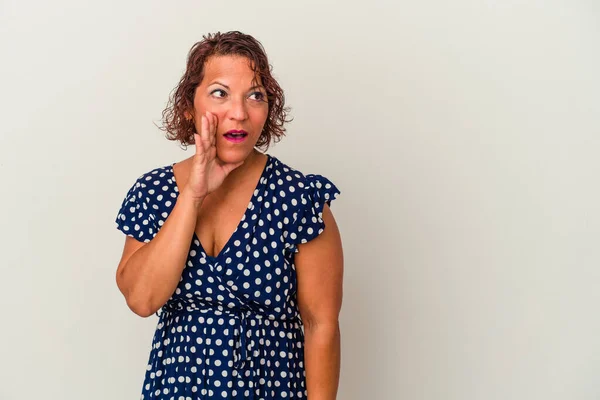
(248,330)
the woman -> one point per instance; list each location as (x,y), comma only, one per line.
(229,246)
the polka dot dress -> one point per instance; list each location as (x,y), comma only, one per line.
(232,329)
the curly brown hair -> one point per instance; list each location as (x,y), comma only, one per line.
(178,127)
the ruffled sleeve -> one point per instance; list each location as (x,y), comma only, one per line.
(307,222)
(136,218)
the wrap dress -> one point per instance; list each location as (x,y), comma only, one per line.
(232,328)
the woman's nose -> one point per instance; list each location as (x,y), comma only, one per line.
(238,110)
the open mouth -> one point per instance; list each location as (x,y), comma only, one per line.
(235,135)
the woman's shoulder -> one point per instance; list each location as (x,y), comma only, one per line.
(155,184)
(301,197)
(288,181)
(153,187)
(291,182)
(284,173)
(147,202)
(156,176)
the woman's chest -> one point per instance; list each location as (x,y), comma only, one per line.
(253,268)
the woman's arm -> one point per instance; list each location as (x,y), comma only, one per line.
(319,268)
(148,273)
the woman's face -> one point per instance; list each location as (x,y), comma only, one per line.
(227,92)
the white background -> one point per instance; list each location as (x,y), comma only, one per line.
(465,139)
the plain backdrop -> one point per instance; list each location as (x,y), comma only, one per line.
(463,135)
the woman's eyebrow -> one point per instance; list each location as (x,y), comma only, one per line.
(224,85)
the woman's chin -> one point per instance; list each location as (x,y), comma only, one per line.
(232,156)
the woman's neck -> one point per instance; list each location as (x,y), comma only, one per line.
(251,166)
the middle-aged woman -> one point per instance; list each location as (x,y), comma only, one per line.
(237,252)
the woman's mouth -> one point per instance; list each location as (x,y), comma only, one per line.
(236,136)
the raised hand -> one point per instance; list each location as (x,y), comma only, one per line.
(207,172)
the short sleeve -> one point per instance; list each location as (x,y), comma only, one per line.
(136,218)
(307,222)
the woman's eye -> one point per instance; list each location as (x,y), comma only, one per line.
(218,90)
(260,95)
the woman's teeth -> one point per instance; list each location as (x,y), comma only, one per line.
(235,137)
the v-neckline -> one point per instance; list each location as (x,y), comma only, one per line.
(242,219)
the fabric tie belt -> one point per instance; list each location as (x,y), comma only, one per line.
(244,344)
(248,329)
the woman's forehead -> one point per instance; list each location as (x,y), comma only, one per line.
(230,71)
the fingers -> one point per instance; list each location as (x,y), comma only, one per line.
(213,127)
(198,143)
(207,137)
(208,129)
(199,137)
(204,132)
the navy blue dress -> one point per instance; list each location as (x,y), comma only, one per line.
(232,329)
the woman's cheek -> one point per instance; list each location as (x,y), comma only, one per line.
(219,113)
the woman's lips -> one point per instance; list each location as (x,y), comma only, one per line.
(236,136)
